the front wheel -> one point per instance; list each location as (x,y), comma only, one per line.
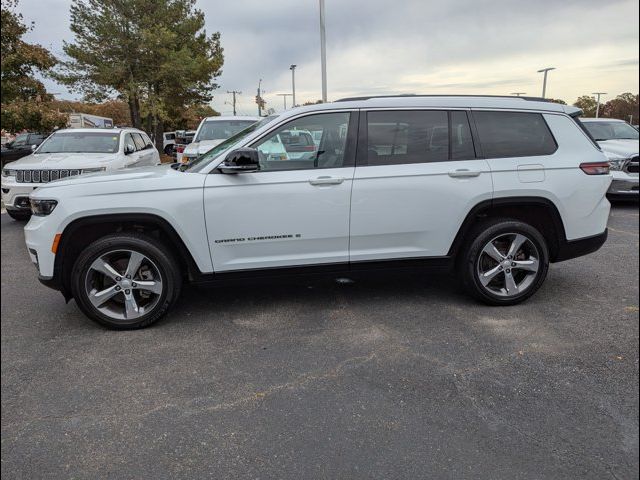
(505,263)
(126,281)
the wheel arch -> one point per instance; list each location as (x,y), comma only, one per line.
(85,230)
(539,212)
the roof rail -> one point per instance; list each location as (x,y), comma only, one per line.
(413,95)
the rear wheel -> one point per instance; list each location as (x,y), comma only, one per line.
(126,281)
(505,263)
(21,216)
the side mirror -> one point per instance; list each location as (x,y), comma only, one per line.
(128,149)
(33,147)
(242,160)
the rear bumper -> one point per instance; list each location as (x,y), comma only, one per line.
(583,246)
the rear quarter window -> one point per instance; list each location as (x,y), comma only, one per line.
(514,134)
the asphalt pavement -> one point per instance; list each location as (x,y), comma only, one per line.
(384,378)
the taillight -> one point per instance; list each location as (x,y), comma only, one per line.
(595,168)
(180,148)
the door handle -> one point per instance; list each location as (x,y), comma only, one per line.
(464,173)
(326,181)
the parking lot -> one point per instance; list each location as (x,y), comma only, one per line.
(382,378)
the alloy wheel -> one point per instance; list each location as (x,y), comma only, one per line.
(508,265)
(123,284)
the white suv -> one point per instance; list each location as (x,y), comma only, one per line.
(495,188)
(71,152)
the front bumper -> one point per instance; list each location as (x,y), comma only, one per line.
(623,184)
(15,196)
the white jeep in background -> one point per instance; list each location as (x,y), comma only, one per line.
(71,152)
(492,188)
(619,142)
(211,132)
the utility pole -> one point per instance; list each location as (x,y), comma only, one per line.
(517,94)
(284,96)
(598,102)
(259,98)
(323,53)
(293,84)
(234,93)
(544,82)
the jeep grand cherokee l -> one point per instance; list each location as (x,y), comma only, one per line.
(495,188)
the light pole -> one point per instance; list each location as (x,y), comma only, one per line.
(598,101)
(284,97)
(293,84)
(544,82)
(517,94)
(323,53)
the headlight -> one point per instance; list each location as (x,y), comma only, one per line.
(42,208)
(617,164)
(8,173)
(93,170)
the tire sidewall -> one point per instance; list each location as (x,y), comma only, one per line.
(156,253)
(482,237)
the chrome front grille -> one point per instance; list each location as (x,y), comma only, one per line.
(43,176)
(631,165)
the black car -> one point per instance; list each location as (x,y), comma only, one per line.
(21,146)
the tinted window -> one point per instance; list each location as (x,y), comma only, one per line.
(81,142)
(407,137)
(461,139)
(291,147)
(137,138)
(513,134)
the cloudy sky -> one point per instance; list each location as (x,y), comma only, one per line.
(405,46)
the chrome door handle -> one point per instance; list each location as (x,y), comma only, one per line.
(326,181)
(464,173)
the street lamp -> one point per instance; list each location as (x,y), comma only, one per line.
(517,94)
(544,82)
(598,101)
(293,83)
(323,53)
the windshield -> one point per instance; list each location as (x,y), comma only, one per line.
(611,131)
(81,142)
(221,129)
(202,160)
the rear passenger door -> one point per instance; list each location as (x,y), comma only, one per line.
(416,178)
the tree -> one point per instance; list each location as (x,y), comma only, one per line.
(623,106)
(587,104)
(25,103)
(154,53)
(20,60)
(557,100)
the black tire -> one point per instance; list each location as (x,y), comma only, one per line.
(19,215)
(155,251)
(471,256)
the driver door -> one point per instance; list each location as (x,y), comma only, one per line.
(294,210)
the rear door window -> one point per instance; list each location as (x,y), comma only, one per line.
(513,134)
(401,137)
